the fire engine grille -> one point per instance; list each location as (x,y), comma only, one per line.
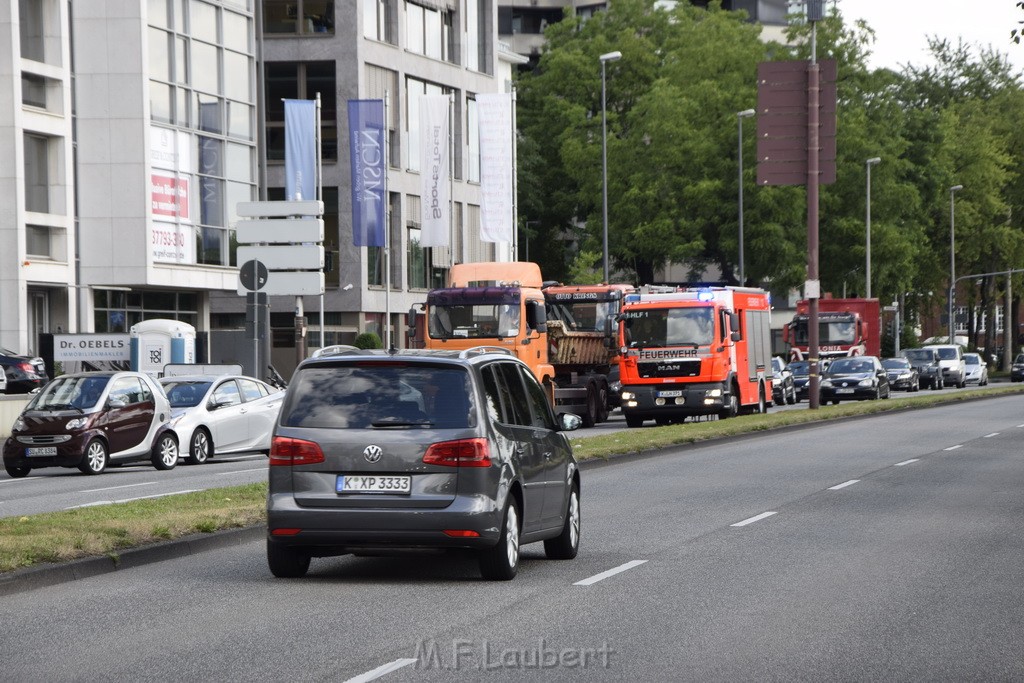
(669,368)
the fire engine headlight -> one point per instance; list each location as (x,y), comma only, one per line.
(628,396)
(713,393)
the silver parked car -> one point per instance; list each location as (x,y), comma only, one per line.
(420,449)
(977,370)
(220,414)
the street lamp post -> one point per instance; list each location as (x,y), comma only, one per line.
(605,58)
(952,257)
(867,272)
(740,115)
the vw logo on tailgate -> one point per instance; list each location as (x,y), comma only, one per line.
(372,453)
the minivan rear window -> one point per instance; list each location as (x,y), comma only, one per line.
(380,396)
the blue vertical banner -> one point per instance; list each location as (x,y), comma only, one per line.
(366,145)
(300,141)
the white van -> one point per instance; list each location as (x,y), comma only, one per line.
(951,358)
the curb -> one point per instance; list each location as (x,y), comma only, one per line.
(46,575)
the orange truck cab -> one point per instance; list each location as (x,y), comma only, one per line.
(492,304)
(507,305)
(694,351)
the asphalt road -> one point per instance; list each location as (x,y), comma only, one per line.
(50,489)
(879,548)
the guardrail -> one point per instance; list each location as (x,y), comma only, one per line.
(10,409)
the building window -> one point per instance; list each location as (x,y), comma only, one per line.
(37,241)
(37,173)
(302,81)
(429,32)
(377,20)
(473,140)
(42,92)
(414,90)
(298,16)
(417,258)
(34,16)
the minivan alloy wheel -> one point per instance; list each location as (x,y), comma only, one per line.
(567,543)
(501,562)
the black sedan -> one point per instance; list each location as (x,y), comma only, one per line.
(854,379)
(801,379)
(902,375)
(1017,369)
(24,374)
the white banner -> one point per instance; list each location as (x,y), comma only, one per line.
(435,214)
(496,187)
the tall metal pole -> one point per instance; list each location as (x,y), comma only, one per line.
(952,258)
(867,272)
(387,229)
(814,284)
(739,119)
(1008,330)
(609,57)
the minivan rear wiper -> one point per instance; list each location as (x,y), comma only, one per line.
(395,422)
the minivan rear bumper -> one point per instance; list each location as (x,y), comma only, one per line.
(328,531)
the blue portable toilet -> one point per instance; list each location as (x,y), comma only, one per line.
(156,343)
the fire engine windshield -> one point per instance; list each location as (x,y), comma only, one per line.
(831,332)
(461,321)
(655,327)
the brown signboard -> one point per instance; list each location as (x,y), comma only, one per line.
(782,122)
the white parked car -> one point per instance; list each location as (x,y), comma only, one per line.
(221,414)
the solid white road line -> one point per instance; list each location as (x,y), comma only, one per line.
(251,469)
(755,518)
(611,572)
(15,481)
(381,671)
(989,436)
(843,485)
(905,462)
(128,500)
(953,448)
(112,488)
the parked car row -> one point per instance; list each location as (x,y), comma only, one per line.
(92,420)
(867,377)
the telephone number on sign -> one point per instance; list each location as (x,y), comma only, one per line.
(163,238)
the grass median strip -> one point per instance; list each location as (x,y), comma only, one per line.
(105,530)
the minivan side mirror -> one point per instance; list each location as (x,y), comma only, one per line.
(568,422)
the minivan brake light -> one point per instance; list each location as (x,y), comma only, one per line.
(460,453)
(287,452)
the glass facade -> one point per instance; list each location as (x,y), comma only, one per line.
(301,81)
(201,69)
(116,311)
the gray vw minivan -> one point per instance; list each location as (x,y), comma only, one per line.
(420,449)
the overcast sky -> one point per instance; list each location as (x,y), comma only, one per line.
(902,27)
